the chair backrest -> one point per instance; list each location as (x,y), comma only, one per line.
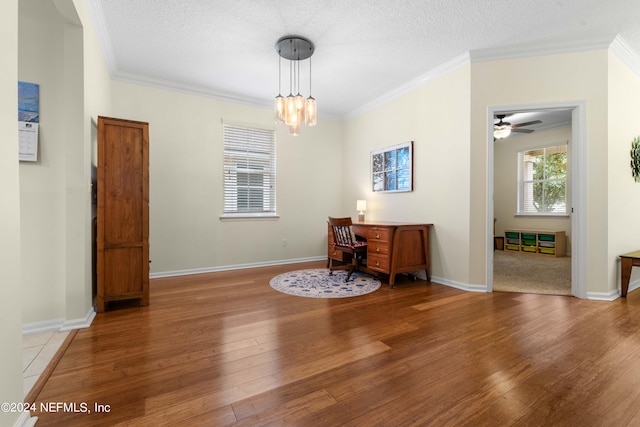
(342,231)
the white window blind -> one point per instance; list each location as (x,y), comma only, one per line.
(542,181)
(249,171)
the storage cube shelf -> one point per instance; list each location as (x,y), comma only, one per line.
(542,242)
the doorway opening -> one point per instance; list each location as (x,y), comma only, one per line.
(534,224)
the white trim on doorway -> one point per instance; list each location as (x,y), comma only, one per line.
(578,190)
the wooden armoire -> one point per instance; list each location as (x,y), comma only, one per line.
(122,235)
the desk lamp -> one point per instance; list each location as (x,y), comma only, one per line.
(361,206)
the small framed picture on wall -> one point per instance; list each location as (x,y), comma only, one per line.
(392,168)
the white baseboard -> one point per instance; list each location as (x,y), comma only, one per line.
(42,327)
(56,325)
(612,295)
(595,296)
(458,285)
(25,420)
(80,323)
(603,296)
(233,267)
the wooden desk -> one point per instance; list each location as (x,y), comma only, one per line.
(632,259)
(392,247)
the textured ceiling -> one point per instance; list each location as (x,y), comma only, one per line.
(365,49)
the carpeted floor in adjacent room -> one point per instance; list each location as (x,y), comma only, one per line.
(531,273)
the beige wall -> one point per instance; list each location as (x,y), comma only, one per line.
(10,297)
(55,191)
(42,183)
(185,157)
(623,193)
(435,117)
(505,167)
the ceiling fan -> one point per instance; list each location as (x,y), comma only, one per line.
(503,129)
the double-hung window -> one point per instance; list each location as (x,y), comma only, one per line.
(542,182)
(249,171)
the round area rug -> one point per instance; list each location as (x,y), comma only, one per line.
(317,283)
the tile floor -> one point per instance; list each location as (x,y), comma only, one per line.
(37,352)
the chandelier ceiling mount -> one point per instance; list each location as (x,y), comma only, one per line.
(295,48)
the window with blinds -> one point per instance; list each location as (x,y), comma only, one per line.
(249,171)
(542,181)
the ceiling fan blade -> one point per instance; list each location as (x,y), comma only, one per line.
(519,125)
(522,130)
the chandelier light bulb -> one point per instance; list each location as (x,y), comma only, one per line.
(294,130)
(310,118)
(279,108)
(290,112)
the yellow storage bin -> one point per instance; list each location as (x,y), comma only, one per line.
(529,249)
(512,247)
(549,251)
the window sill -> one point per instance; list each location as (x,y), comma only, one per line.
(542,215)
(249,217)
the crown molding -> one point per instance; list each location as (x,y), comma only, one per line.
(546,47)
(99,23)
(626,54)
(188,89)
(615,44)
(541,48)
(202,91)
(439,71)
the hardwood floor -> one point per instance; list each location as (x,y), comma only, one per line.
(225,349)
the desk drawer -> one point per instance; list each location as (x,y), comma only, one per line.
(378,263)
(373,233)
(377,248)
(379,234)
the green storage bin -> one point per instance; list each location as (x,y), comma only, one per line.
(529,242)
(529,236)
(547,237)
(512,235)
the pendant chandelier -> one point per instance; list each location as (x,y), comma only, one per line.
(294,109)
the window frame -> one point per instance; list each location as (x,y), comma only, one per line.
(253,147)
(522,182)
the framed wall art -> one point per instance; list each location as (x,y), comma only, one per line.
(392,168)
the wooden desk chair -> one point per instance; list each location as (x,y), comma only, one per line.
(345,240)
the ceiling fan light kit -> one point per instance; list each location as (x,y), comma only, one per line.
(503,129)
(294,109)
